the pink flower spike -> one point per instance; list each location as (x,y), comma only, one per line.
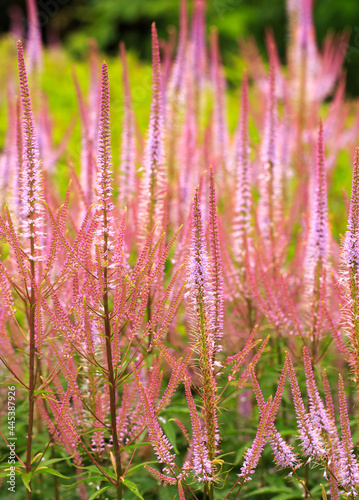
(317,410)
(32,213)
(270,208)
(253,454)
(318,236)
(104,163)
(128,140)
(283,454)
(158,439)
(351,244)
(216,262)
(242,218)
(153,188)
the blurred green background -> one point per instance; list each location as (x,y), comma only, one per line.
(110,21)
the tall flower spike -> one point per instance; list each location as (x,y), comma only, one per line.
(350,253)
(216,263)
(242,217)
(318,237)
(33,45)
(270,180)
(158,439)
(153,189)
(350,470)
(200,300)
(317,248)
(128,142)
(253,454)
(32,214)
(317,410)
(104,163)
(199,43)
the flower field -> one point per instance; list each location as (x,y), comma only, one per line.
(179,271)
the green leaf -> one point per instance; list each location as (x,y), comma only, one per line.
(47,470)
(54,461)
(139,466)
(131,447)
(99,492)
(85,480)
(132,487)
(270,489)
(170,432)
(26,478)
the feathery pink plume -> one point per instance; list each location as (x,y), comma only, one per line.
(216,263)
(270,179)
(153,189)
(283,453)
(199,43)
(317,410)
(104,188)
(128,139)
(318,236)
(242,219)
(156,435)
(253,454)
(351,245)
(32,214)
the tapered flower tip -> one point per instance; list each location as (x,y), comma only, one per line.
(104,70)
(20,50)
(155,44)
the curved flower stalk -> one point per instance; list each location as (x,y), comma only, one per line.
(253,454)
(128,140)
(157,437)
(153,189)
(284,456)
(316,263)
